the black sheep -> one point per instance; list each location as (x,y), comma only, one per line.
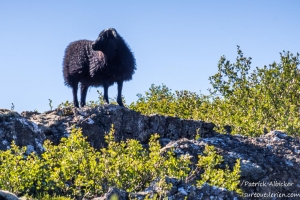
(100,63)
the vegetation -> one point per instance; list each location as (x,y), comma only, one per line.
(250,103)
(75,169)
(50,104)
(66,108)
(218,177)
(182,104)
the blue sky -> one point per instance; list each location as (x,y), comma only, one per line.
(177,43)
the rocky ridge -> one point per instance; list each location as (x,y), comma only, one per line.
(270,164)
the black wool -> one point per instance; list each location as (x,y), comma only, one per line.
(105,61)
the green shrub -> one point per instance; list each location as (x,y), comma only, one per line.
(250,103)
(17,172)
(215,176)
(130,167)
(75,169)
(265,100)
(161,100)
(66,108)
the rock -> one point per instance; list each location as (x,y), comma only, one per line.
(24,132)
(5,195)
(32,128)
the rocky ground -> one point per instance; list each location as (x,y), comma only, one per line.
(270,164)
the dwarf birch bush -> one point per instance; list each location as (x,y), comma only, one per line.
(161,100)
(260,101)
(17,172)
(75,169)
(215,176)
(251,102)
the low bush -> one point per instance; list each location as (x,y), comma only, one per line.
(215,176)
(250,102)
(75,169)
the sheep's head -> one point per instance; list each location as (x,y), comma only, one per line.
(106,42)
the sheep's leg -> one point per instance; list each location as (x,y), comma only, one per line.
(84,90)
(74,90)
(119,98)
(105,97)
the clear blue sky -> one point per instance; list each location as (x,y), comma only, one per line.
(177,43)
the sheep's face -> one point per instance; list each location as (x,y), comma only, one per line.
(106,41)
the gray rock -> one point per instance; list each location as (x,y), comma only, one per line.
(184,191)
(5,195)
(32,128)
